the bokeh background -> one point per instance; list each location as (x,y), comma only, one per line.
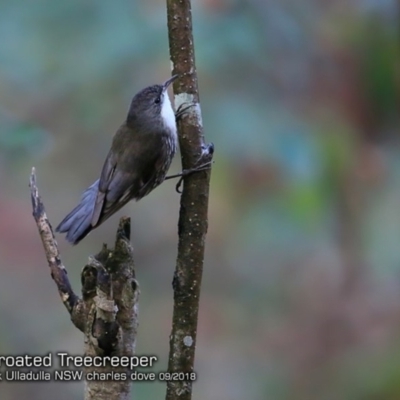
(301,288)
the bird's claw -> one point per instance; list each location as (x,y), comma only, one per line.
(186,172)
(182,110)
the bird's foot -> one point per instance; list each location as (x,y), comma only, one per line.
(207,152)
(182,110)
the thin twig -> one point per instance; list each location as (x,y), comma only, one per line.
(71,301)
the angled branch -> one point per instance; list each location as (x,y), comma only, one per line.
(107,314)
(71,301)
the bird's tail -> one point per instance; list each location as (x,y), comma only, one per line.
(78,223)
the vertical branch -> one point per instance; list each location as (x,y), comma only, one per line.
(111,295)
(192,226)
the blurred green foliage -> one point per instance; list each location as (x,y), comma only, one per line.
(301,291)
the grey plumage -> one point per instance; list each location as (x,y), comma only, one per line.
(138,161)
(77,224)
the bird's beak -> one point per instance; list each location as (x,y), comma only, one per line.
(169,81)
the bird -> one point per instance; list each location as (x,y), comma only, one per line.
(141,153)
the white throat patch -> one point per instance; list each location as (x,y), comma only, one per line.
(167,114)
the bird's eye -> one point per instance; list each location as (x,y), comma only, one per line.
(157,100)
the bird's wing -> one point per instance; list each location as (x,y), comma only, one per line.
(124,176)
(106,177)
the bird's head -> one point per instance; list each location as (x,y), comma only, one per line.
(152,106)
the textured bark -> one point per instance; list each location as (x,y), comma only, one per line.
(192,226)
(107,314)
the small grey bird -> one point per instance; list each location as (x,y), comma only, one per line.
(138,161)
